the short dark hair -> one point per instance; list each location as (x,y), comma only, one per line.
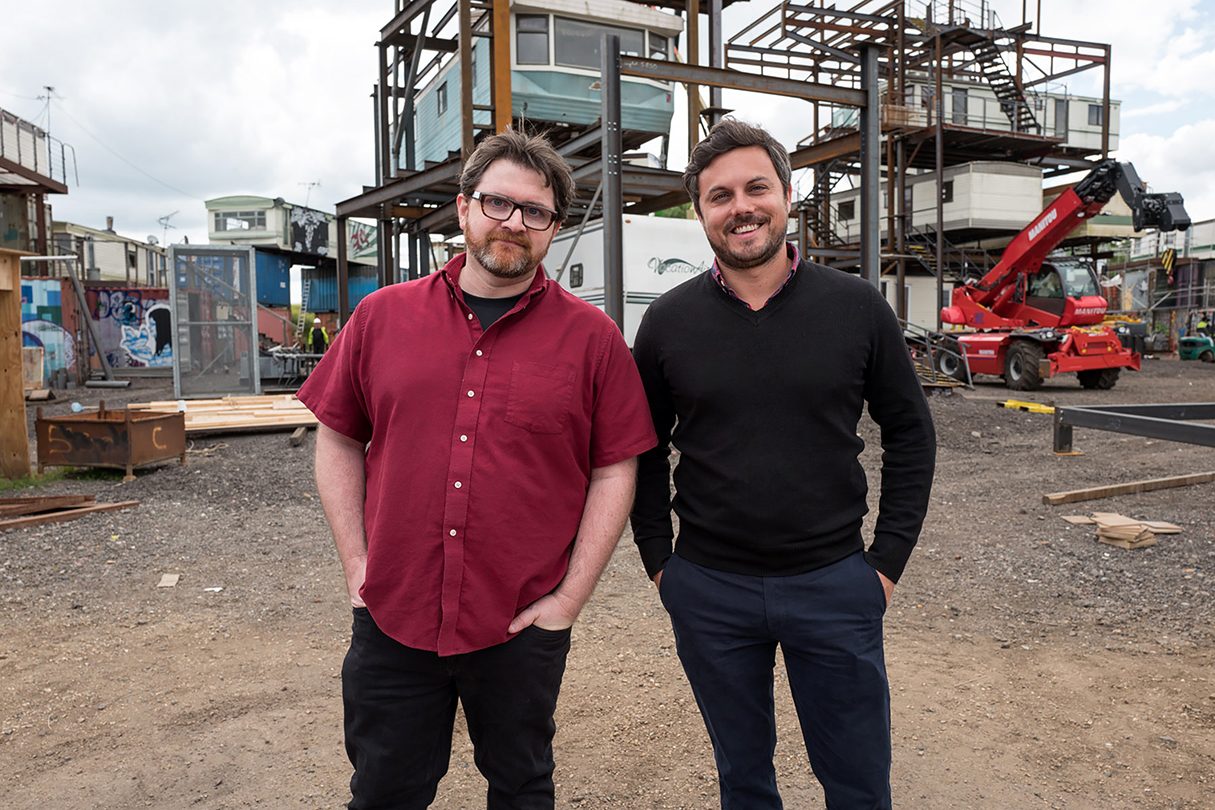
(726,136)
(531,152)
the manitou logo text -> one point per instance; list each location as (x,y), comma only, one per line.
(1050,217)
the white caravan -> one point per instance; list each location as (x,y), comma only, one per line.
(659,253)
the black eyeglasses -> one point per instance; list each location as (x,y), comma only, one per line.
(500,208)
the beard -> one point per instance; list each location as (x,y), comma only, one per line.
(752,256)
(499,260)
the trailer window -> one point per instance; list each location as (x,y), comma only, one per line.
(1095,117)
(659,46)
(240,220)
(576,275)
(847,209)
(441,98)
(576,43)
(531,39)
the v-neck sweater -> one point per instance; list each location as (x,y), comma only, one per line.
(763,407)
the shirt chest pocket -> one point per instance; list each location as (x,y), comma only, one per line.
(540,396)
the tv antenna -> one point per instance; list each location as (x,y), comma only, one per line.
(50,94)
(164,224)
(311,184)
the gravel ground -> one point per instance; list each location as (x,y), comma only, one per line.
(1031,666)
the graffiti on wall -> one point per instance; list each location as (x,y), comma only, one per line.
(362,240)
(42,324)
(309,231)
(134,326)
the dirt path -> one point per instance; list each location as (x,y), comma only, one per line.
(1031,667)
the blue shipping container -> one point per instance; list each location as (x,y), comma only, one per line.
(273,279)
(322,292)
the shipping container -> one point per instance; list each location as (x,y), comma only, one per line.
(323,290)
(273,279)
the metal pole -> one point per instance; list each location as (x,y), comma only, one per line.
(871,150)
(693,59)
(940,158)
(900,224)
(343,273)
(466,95)
(1105,106)
(715,55)
(613,204)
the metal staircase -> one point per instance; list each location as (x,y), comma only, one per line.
(1004,84)
(817,204)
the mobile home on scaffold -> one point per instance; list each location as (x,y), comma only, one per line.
(555,72)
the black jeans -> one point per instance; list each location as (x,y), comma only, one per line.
(400,707)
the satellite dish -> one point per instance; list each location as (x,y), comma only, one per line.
(152,240)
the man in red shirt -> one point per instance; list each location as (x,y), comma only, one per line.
(475,460)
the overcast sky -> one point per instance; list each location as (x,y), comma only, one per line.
(170,104)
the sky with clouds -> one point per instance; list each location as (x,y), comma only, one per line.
(170,104)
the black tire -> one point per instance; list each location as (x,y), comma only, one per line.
(1021,371)
(1207,357)
(1101,379)
(951,365)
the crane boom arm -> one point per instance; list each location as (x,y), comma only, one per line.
(1025,254)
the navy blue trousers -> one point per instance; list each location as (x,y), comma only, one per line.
(400,706)
(828,624)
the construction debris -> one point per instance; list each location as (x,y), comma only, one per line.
(236,414)
(17,513)
(1122,531)
(1028,407)
(168,580)
(297,437)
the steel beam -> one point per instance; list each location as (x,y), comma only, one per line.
(736,80)
(500,81)
(871,147)
(1164,421)
(613,204)
(367,204)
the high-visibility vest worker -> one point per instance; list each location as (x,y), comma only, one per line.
(318,338)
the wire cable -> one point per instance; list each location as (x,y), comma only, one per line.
(113,152)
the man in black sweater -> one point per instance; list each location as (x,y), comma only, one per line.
(757,371)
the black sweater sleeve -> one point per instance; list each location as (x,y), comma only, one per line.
(896,402)
(651,516)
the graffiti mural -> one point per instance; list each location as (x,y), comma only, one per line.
(134,326)
(362,242)
(42,324)
(309,231)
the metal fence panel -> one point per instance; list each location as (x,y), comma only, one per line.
(213,295)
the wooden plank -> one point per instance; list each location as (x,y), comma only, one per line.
(13,507)
(31,367)
(297,437)
(1132,488)
(14,432)
(67,514)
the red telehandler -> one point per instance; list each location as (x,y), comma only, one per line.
(1028,320)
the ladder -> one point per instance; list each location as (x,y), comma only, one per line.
(300,322)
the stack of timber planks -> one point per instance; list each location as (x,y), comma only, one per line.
(236,414)
(1122,531)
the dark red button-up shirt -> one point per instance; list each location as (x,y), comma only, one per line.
(480,446)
